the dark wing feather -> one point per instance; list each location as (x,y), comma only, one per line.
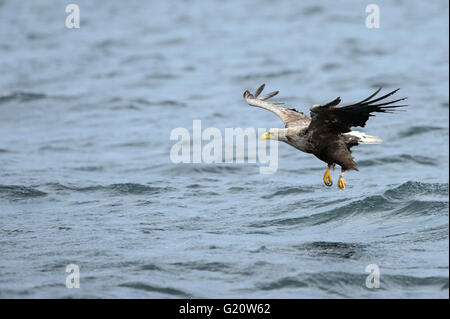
(341,119)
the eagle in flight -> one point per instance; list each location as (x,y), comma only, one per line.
(326,133)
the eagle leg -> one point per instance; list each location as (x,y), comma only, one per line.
(341,180)
(327,177)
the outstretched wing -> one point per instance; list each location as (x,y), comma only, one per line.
(341,119)
(290,117)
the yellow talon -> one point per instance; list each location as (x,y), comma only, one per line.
(341,181)
(327,178)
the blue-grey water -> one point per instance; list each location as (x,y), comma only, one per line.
(86,177)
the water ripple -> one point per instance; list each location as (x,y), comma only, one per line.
(403,158)
(416,130)
(396,201)
(22,97)
(151,288)
(121,188)
(345,284)
(16,192)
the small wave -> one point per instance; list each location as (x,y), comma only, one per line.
(216,115)
(203,194)
(412,282)
(21,97)
(236,189)
(368,204)
(89,168)
(110,43)
(134,104)
(36,36)
(109,75)
(357,51)
(404,158)
(138,144)
(333,249)
(140,58)
(204,266)
(422,208)
(331,66)
(141,101)
(151,288)
(436,234)
(167,103)
(268,75)
(397,201)
(54,148)
(286,282)
(417,130)
(288,191)
(405,190)
(121,189)
(161,76)
(135,189)
(170,41)
(344,284)
(126,107)
(312,10)
(194,186)
(188,169)
(16,192)
(150,267)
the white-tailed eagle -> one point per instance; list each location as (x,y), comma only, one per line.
(326,133)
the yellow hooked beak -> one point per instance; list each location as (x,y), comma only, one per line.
(265,136)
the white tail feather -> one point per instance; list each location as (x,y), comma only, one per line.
(363,138)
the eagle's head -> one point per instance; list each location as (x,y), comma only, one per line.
(274,134)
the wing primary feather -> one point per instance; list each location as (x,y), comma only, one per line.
(268,95)
(390,102)
(335,102)
(383,97)
(392,106)
(259,90)
(247,94)
(365,100)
